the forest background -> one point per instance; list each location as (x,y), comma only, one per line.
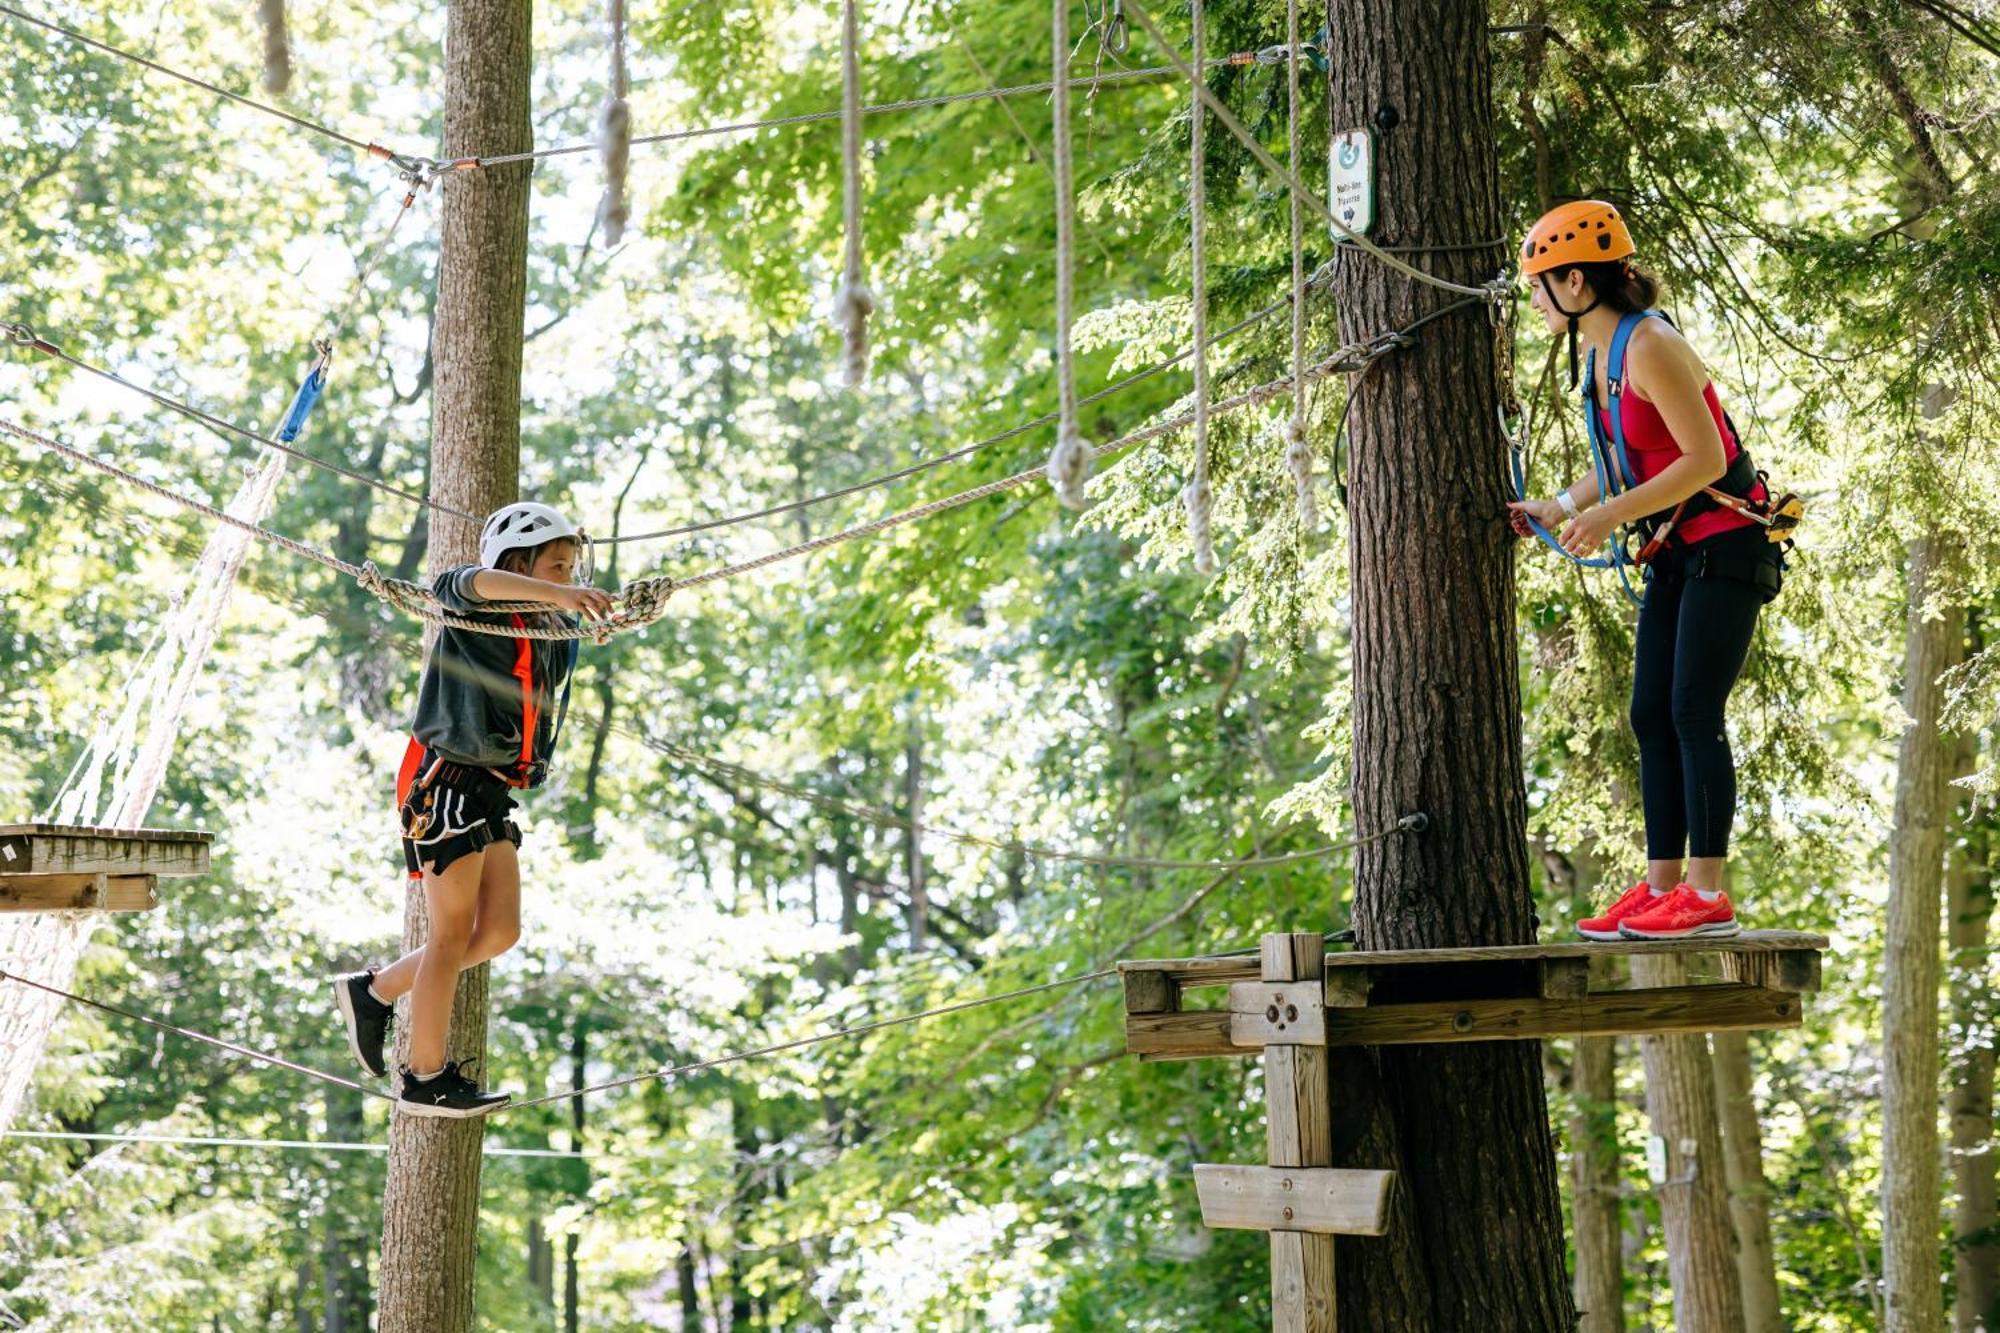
(723,858)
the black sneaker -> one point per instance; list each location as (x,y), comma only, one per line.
(367,1019)
(448,1093)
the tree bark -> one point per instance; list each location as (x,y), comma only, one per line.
(1934,642)
(1749,1194)
(1694,1194)
(430,1211)
(1476,1240)
(346,1290)
(913,845)
(1969,1104)
(1594,1161)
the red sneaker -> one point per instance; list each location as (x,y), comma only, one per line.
(1639,898)
(1680,915)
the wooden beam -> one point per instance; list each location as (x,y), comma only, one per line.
(1321,1200)
(1276,1013)
(1565,978)
(66,893)
(1793,970)
(1605,1013)
(1298,1133)
(1188,1035)
(1150,993)
(56,849)
(1348,987)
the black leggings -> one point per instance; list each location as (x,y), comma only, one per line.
(1694,635)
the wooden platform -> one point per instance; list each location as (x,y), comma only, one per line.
(65,867)
(1508,993)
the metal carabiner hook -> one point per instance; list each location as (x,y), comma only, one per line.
(1117,36)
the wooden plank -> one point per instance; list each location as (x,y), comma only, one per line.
(1793,970)
(1565,978)
(1321,1200)
(1226,970)
(1298,1133)
(1276,1013)
(1180,1036)
(62,893)
(1604,1013)
(1348,987)
(1150,993)
(46,850)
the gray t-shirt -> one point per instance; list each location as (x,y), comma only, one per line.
(489,700)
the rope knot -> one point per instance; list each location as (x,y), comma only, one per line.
(1069,468)
(1299,458)
(1199,498)
(642,601)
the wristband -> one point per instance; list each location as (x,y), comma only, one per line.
(1569,505)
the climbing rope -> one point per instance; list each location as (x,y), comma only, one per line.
(21,335)
(643,601)
(1069,463)
(1197,496)
(1298,450)
(853,302)
(614,136)
(1494,291)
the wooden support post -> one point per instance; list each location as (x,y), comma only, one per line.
(1300,1133)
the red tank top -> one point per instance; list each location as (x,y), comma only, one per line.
(1651,448)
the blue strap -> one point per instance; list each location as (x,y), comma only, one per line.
(1548,538)
(1614,374)
(302,402)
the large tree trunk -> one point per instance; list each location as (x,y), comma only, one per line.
(1694,1194)
(430,1211)
(1476,1236)
(1934,642)
(1969,1104)
(1749,1195)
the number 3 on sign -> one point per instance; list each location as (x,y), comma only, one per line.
(1351,180)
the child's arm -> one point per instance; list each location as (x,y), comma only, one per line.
(499,585)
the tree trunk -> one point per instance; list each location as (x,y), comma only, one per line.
(572,1306)
(1749,1194)
(1694,1190)
(913,845)
(541,1265)
(1969,1104)
(347,1290)
(1594,1160)
(1476,1235)
(430,1211)
(1934,643)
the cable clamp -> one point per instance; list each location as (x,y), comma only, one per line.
(21,335)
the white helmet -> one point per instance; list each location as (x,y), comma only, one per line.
(519,525)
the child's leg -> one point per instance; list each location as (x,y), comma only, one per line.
(497,923)
(450,901)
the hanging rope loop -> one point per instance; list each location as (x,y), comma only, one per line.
(854,302)
(614,135)
(1069,463)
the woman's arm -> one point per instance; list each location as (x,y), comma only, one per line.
(1674,380)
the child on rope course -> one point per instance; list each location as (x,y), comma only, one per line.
(1710,568)
(487,720)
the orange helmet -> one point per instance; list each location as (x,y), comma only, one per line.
(1588,231)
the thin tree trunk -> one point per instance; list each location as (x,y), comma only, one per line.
(691,1317)
(1694,1195)
(430,1212)
(572,1307)
(347,1291)
(1969,1104)
(1934,642)
(1476,1233)
(913,845)
(1594,1162)
(541,1265)
(1749,1194)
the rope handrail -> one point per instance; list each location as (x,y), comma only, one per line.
(644,600)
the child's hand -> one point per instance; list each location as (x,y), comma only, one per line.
(591,603)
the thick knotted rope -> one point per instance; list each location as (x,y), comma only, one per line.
(1069,463)
(614,136)
(1197,495)
(854,302)
(1298,450)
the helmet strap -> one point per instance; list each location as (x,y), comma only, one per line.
(1572,316)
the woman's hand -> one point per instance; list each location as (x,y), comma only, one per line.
(1587,531)
(1548,513)
(591,603)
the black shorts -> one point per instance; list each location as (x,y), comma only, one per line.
(454,810)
